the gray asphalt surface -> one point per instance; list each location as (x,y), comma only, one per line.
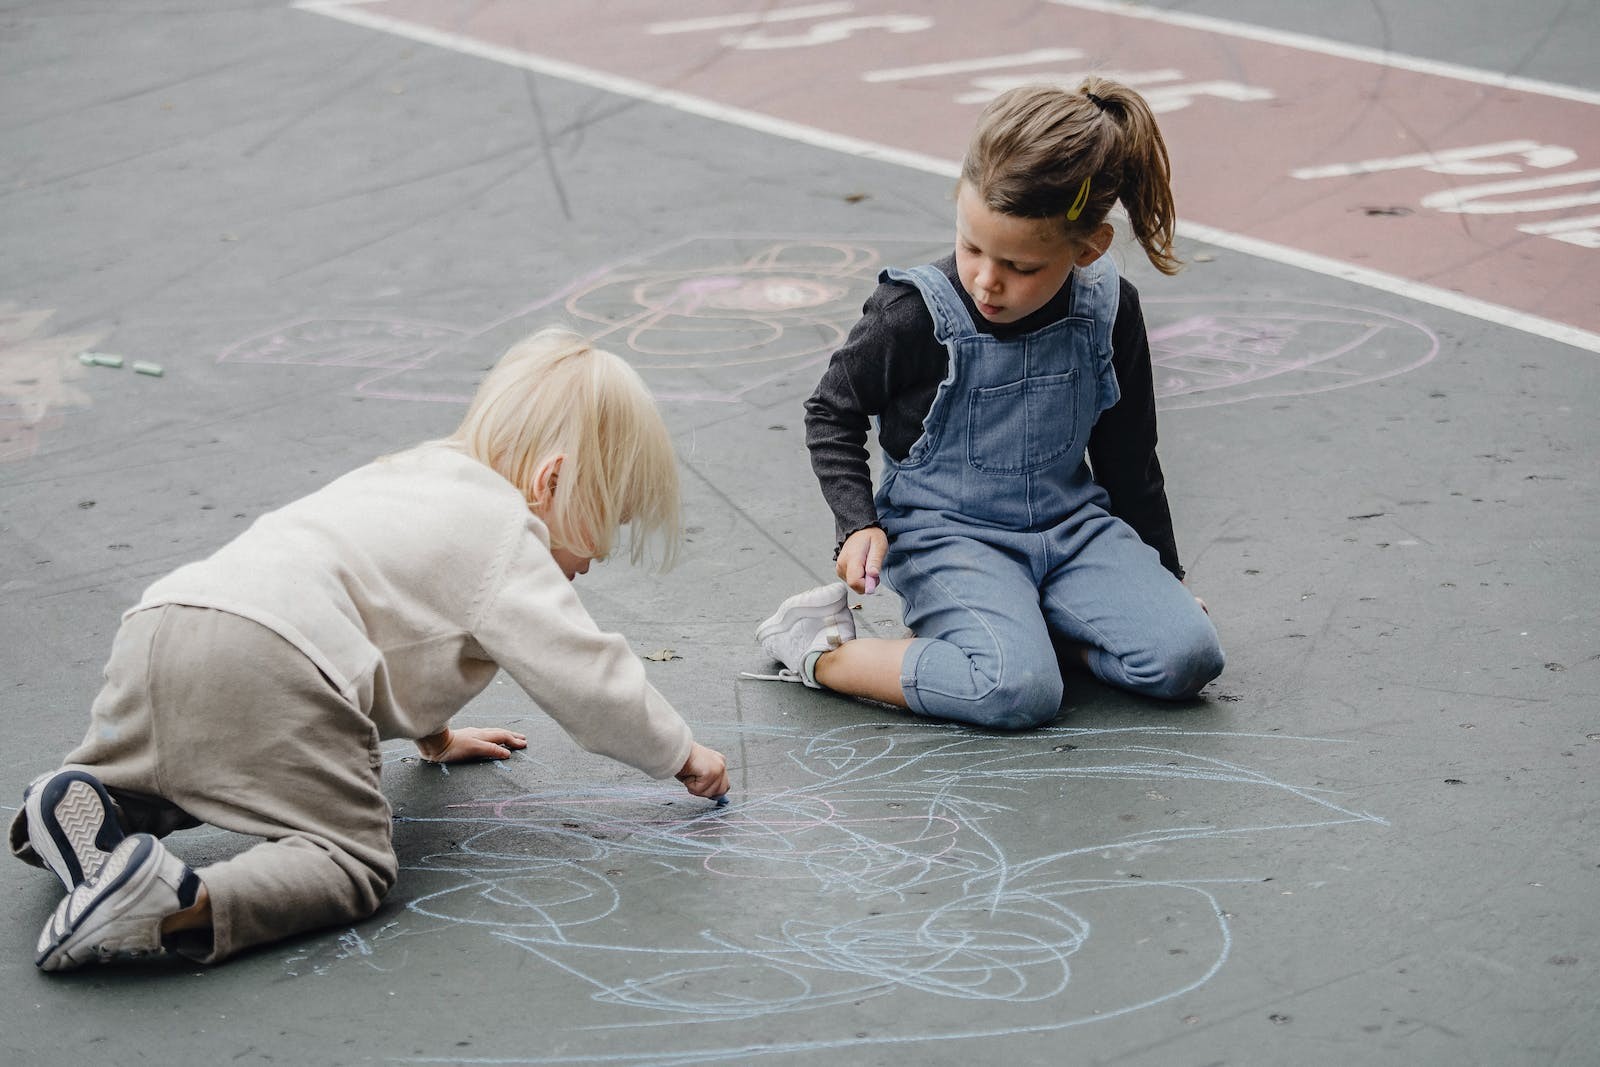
(1373,840)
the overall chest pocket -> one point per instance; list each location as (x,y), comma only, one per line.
(1021,427)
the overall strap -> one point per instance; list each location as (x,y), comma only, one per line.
(1096,295)
(1097,291)
(950,318)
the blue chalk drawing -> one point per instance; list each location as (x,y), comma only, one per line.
(888,872)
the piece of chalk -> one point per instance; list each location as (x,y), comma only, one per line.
(152,369)
(99,359)
(721,799)
(870,582)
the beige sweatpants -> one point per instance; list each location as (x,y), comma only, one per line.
(207,717)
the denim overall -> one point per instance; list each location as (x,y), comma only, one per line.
(1000,544)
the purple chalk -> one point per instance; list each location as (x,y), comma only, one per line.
(870,582)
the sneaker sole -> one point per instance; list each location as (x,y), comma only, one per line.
(71,826)
(823,602)
(139,867)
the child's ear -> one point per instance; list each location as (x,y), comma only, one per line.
(1096,244)
(544,482)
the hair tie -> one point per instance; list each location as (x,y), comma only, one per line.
(1097,101)
(1077,205)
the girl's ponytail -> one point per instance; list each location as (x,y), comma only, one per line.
(1146,172)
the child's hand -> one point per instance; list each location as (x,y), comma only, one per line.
(705,773)
(861,559)
(468,743)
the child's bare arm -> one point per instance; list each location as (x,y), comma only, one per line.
(469,742)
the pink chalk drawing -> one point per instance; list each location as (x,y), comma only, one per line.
(708,319)
(386,348)
(735,319)
(1233,349)
(39,379)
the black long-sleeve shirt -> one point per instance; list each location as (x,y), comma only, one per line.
(891,366)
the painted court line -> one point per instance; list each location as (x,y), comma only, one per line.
(623,86)
(1393,283)
(759,18)
(1323,46)
(1457,238)
(966,66)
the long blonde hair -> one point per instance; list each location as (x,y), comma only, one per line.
(1044,152)
(555,394)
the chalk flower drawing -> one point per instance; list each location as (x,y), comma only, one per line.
(1228,349)
(731,319)
(704,319)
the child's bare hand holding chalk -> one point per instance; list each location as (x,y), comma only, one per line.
(705,773)
(861,559)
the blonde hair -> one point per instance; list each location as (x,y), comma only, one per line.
(553,394)
(1036,146)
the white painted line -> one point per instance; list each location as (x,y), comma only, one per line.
(1562,225)
(965,66)
(1325,47)
(753,18)
(1474,199)
(1148,82)
(1427,294)
(1447,161)
(613,83)
(1393,283)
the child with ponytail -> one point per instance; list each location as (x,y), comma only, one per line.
(1021,509)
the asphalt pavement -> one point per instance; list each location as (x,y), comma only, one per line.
(1372,840)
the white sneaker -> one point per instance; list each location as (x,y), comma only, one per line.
(817,620)
(72,824)
(116,915)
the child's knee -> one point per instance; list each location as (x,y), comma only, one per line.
(1026,716)
(379,877)
(1181,671)
(371,873)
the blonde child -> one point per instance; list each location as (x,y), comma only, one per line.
(251,690)
(1022,509)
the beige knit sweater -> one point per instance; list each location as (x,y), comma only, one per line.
(410,581)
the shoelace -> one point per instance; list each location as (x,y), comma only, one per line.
(784,675)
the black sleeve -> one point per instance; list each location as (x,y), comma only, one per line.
(1122,445)
(839,414)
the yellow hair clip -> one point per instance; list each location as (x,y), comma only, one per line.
(1077,205)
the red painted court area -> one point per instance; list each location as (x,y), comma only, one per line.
(1463,189)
